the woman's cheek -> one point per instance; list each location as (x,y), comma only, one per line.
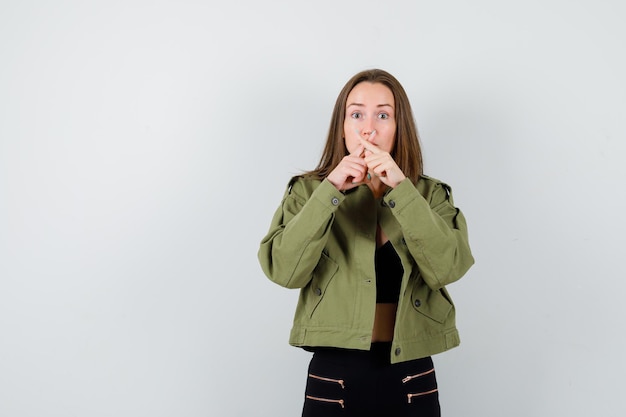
(352,145)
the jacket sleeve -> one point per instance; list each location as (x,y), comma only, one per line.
(299,230)
(434,230)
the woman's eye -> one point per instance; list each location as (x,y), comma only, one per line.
(356,115)
(383,116)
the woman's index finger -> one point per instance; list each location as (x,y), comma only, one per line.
(370,146)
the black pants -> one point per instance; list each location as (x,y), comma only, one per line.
(345,382)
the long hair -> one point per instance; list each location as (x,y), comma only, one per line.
(406,151)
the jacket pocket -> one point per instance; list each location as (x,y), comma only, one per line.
(322,276)
(435,305)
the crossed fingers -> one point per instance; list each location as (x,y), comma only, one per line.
(381,164)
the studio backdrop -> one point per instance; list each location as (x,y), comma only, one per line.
(144,146)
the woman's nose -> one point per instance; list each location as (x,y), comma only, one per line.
(368,133)
(367,130)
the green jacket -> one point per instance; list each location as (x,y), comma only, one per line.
(323,241)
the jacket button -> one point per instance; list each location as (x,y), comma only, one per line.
(334,201)
(398,351)
(318,291)
(392,203)
(417,303)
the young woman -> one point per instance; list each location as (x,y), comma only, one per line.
(371,243)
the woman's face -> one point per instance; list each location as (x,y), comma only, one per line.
(370,107)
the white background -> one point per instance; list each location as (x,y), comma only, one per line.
(144,146)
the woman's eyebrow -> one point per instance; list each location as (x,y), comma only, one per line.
(363,105)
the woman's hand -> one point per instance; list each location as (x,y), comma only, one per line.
(350,172)
(381,164)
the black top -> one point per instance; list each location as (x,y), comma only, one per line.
(388,274)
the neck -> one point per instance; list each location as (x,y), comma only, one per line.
(377,187)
